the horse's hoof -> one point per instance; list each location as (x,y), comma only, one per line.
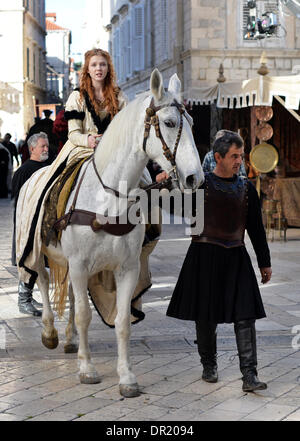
(88,379)
(71,348)
(129,390)
(50,343)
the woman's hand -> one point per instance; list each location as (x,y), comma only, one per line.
(93,140)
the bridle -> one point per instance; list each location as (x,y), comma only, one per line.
(153,120)
(150,120)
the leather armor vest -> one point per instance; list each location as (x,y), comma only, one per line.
(225,211)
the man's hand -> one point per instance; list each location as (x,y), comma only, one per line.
(162,177)
(266,274)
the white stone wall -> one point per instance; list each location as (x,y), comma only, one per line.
(19,29)
(98,15)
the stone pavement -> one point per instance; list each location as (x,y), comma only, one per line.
(41,385)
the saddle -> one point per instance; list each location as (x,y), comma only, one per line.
(56,202)
(56,220)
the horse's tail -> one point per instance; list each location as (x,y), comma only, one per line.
(59,279)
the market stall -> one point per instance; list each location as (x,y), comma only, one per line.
(265,111)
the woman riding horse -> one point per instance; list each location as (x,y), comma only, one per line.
(89,111)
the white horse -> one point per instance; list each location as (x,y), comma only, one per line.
(120,157)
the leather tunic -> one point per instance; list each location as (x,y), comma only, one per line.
(225,211)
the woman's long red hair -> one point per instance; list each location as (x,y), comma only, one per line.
(111,89)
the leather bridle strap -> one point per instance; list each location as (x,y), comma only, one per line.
(153,120)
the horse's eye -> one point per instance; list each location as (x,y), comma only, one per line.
(170,124)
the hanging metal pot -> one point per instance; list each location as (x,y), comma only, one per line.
(264,113)
(264,131)
(264,157)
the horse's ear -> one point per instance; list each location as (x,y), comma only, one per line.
(175,85)
(157,85)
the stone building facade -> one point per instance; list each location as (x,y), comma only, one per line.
(192,38)
(23,66)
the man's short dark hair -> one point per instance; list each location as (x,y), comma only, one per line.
(224,140)
(7,135)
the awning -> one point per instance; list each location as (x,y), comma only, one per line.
(254,92)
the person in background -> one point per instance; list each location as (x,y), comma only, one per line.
(38,148)
(5,163)
(11,147)
(60,129)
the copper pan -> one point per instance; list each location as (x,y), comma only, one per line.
(264,131)
(264,158)
(264,113)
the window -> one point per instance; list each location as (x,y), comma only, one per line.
(127,49)
(28,64)
(165,29)
(148,32)
(34,68)
(116,51)
(138,38)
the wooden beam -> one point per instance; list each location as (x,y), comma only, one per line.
(292,112)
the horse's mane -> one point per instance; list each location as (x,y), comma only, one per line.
(120,130)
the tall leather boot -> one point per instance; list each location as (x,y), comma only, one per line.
(25,301)
(207,348)
(246,344)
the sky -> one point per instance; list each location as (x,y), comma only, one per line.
(70,14)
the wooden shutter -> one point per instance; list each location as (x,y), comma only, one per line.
(138,42)
(116,51)
(165,29)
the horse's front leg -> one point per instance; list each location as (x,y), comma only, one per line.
(83,317)
(71,346)
(126,281)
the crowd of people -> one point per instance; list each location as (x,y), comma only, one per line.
(13,154)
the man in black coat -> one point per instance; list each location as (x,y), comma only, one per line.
(11,147)
(38,148)
(4,166)
(217,283)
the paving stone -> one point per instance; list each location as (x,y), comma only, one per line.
(177,400)
(163,387)
(35,407)
(84,405)
(109,413)
(270,412)
(219,415)
(148,413)
(295,416)
(54,416)
(13,386)
(240,405)
(10,417)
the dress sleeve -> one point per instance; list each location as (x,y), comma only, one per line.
(75,115)
(256,230)
(123,100)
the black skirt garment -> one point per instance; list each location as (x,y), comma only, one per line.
(216,284)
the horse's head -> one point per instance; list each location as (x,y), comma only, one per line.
(171,144)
